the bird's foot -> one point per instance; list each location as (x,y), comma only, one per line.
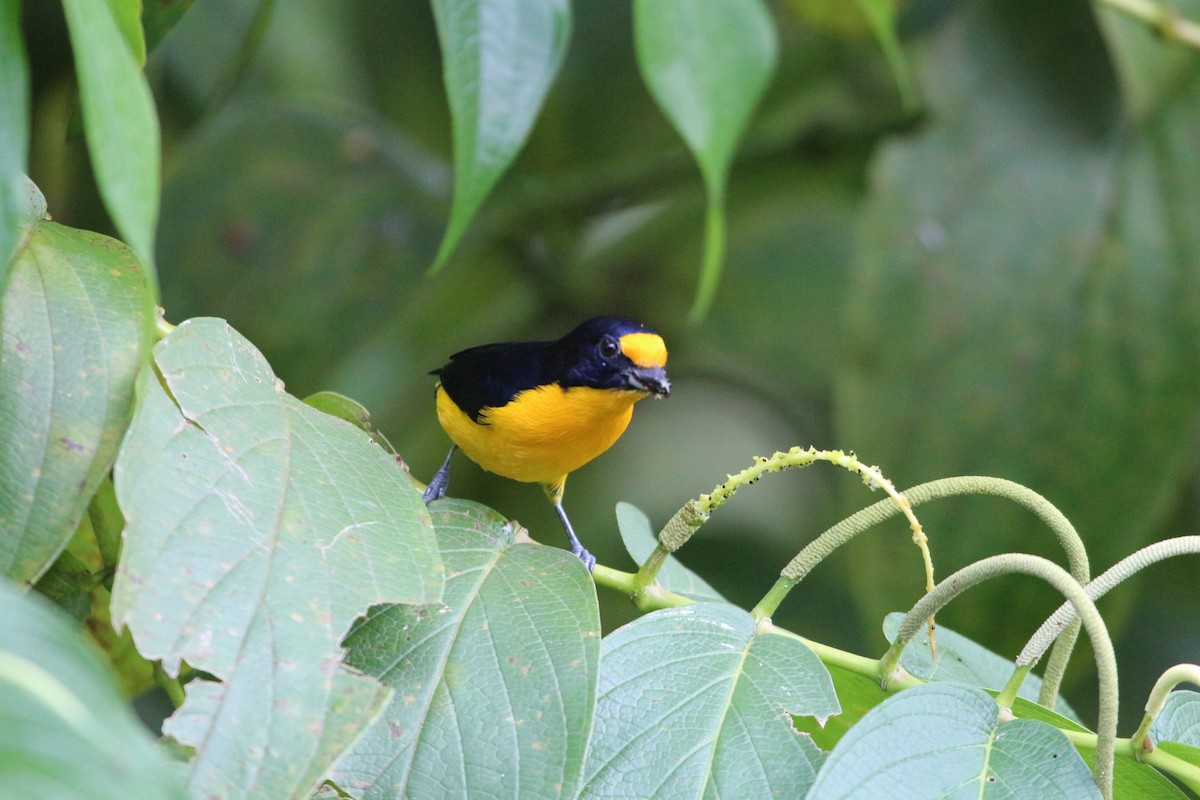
(436,489)
(587,558)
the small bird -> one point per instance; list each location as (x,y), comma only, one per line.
(537,411)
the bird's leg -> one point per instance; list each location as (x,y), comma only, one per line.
(436,489)
(555,493)
(578,549)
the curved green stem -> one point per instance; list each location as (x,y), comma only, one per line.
(646,597)
(1106,661)
(1180,673)
(1110,578)
(1008,695)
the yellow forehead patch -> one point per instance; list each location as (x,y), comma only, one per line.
(644,349)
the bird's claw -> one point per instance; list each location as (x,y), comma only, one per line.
(587,558)
(434,491)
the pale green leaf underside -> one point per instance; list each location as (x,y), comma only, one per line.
(694,702)
(494,690)
(963,661)
(944,740)
(257,529)
(1179,720)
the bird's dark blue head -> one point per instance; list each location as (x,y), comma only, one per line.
(614,353)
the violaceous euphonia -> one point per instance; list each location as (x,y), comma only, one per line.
(537,411)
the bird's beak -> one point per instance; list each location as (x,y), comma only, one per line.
(648,379)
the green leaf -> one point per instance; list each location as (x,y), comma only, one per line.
(1184,752)
(352,411)
(119,122)
(694,702)
(707,63)
(14,130)
(494,690)
(499,58)
(882,16)
(673,575)
(962,660)
(64,731)
(257,529)
(857,695)
(128,16)
(74,319)
(945,740)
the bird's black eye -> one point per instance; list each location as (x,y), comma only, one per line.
(609,347)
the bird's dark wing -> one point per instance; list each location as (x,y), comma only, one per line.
(493,374)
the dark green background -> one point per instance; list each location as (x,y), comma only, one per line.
(1004,281)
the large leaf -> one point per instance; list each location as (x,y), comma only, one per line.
(64,731)
(14,129)
(945,740)
(695,702)
(119,121)
(962,660)
(499,58)
(1027,289)
(707,63)
(74,319)
(257,529)
(494,691)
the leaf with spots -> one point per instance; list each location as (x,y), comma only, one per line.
(697,702)
(960,660)
(257,529)
(494,691)
(75,314)
(946,740)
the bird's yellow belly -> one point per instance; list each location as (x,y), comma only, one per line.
(542,434)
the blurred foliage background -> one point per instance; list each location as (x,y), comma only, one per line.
(1003,279)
